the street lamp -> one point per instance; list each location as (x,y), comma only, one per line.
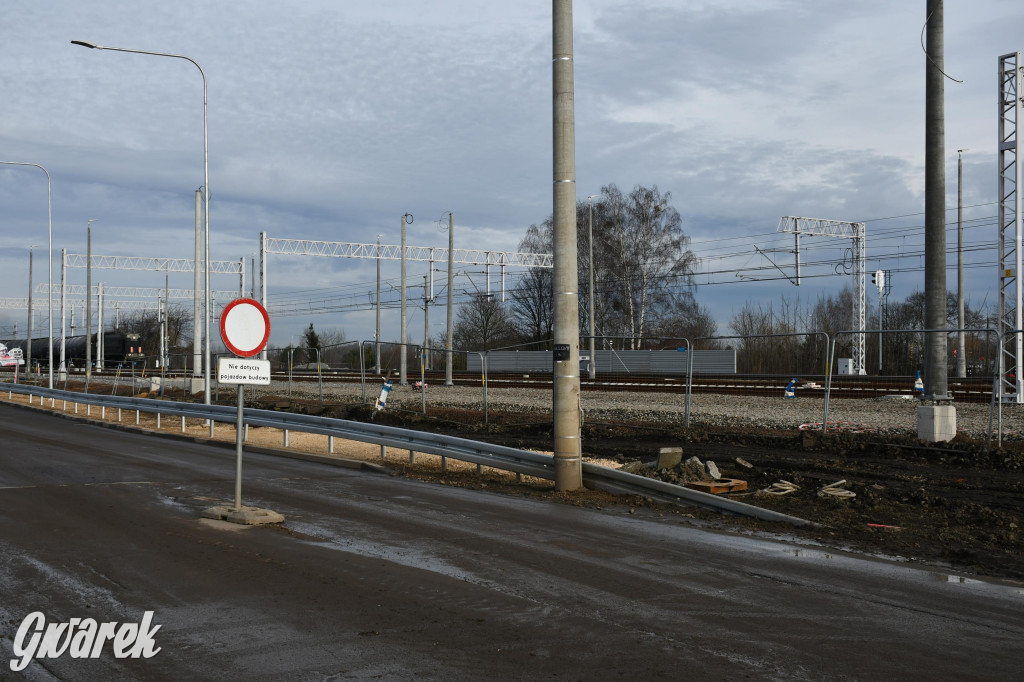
(49,262)
(406,220)
(206,204)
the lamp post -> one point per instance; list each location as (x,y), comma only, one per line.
(28,332)
(406,220)
(49,260)
(590,267)
(451,291)
(206,204)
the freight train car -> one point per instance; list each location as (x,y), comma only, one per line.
(671,362)
(117,347)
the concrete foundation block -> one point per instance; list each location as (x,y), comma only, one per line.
(249,516)
(936,423)
(669,458)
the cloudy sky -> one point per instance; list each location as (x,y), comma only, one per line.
(330,119)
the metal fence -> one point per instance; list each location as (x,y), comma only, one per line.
(807,370)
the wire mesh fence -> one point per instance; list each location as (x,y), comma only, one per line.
(805,380)
(768,369)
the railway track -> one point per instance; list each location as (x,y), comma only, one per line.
(971,389)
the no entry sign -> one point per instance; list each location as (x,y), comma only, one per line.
(245,327)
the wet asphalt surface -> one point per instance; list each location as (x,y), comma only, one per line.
(379,577)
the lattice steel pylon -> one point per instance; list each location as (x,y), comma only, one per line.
(1011,90)
(822,227)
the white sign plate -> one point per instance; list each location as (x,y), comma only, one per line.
(243,371)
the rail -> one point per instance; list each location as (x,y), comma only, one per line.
(484,454)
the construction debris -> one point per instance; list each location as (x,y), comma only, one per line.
(781,488)
(669,458)
(837,491)
(718,487)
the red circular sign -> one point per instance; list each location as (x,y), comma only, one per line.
(245,327)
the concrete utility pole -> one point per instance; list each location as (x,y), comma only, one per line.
(197,327)
(28,336)
(88,302)
(62,375)
(376,332)
(961,352)
(99,327)
(402,364)
(565,287)
(936,422)
(451,294)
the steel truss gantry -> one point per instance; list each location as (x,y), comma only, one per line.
(134,292)
(307,247)
(217,267)
(838,229)
(1011,99)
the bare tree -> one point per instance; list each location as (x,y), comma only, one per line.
(530,309)
(645,264)
(482,324)
(146,323)
(643,270)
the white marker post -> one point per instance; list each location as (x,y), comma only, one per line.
(244,328)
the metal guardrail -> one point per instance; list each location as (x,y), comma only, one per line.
(485,454)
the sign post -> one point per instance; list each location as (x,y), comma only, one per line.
(244,328)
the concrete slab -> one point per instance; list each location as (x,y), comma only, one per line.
(249,516)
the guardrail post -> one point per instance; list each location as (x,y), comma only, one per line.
(246,436)
(286,437)
(76,407)
(183,425)
(136,417)
(330,445)
(383,452)
(412,457)
(103,412)
(211,422)
(119,415)
(88,407)
(157,421)
(444,464)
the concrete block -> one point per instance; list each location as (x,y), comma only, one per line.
(936,423)
(249,516)
(712,470)
(669,458)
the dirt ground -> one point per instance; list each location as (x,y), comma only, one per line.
(959,506)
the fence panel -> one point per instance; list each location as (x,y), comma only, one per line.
(783,376)
(885,396)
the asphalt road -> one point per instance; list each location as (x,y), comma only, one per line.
(378,577)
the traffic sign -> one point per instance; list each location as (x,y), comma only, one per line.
(245,327)
(234,371)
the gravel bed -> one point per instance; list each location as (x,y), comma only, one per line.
(888,415)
